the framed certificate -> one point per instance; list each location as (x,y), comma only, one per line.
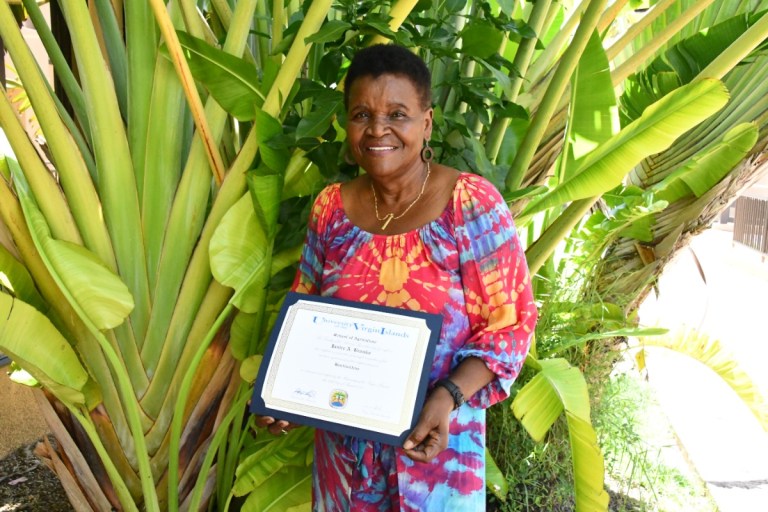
(348,367)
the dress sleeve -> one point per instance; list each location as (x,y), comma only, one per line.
(497,287)
(309,275)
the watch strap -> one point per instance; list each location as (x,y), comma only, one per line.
(453,389)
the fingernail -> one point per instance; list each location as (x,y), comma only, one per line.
(408,445)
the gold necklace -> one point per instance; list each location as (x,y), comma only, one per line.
(391,216)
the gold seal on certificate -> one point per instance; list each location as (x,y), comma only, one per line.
(348,367)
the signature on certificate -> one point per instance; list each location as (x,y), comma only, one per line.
(306,394)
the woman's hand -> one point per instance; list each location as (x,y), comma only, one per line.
(430,435)
(275,427)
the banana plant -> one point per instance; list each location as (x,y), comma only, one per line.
(709,165)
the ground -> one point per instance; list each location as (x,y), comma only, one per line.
(26,484)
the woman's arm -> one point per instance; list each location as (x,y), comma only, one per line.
(499,307)
(430,435)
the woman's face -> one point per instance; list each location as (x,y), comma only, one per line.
(387,125)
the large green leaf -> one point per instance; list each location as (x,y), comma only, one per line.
(557,387)
(325,106)
(242,333)
(30,339)
(14,276)
(588,466)
(290,488)
(98,292)
(232,81)
(275,159)
(302,178)
(537,406)
(704,170)
(331,31)
(690,56)
(594,113)
(240,249)
(246,331)
(481,39)
(265,465)
(658,127)
(494,477)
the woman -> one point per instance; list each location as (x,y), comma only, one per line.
(417,235)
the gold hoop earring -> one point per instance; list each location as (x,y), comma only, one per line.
(348,159)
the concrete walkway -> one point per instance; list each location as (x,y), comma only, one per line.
(723,440)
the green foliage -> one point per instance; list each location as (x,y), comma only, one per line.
(234,84)
(605,167)
(539,475)
(48,357)
(644,470)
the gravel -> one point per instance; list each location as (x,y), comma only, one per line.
(26,484)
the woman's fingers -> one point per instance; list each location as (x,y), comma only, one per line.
(264,421)
(417,435)
(429,448)
(430,435)
(273,426)
(280,427)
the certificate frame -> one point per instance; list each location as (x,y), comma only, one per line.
(355,324)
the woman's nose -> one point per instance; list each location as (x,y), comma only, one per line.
(378,125)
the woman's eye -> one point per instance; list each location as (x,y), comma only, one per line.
(361,115)
(398,115)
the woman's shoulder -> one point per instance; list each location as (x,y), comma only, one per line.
(471,181)
(327,197)
(475,190)
(327,201)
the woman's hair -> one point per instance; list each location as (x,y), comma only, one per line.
(390,59)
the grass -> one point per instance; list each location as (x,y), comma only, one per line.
(646,470)
(539,474)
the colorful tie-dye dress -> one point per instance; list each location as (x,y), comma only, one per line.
(467,265)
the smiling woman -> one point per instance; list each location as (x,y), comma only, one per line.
(417,235)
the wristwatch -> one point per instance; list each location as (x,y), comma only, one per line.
(453,389)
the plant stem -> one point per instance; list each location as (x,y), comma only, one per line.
(538,253)
(637,28)
(552,97)
(60,64)
(522,60)
(178,413)
(123,494)
(190,90)
(633,63)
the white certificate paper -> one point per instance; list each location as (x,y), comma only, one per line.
(349,367)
